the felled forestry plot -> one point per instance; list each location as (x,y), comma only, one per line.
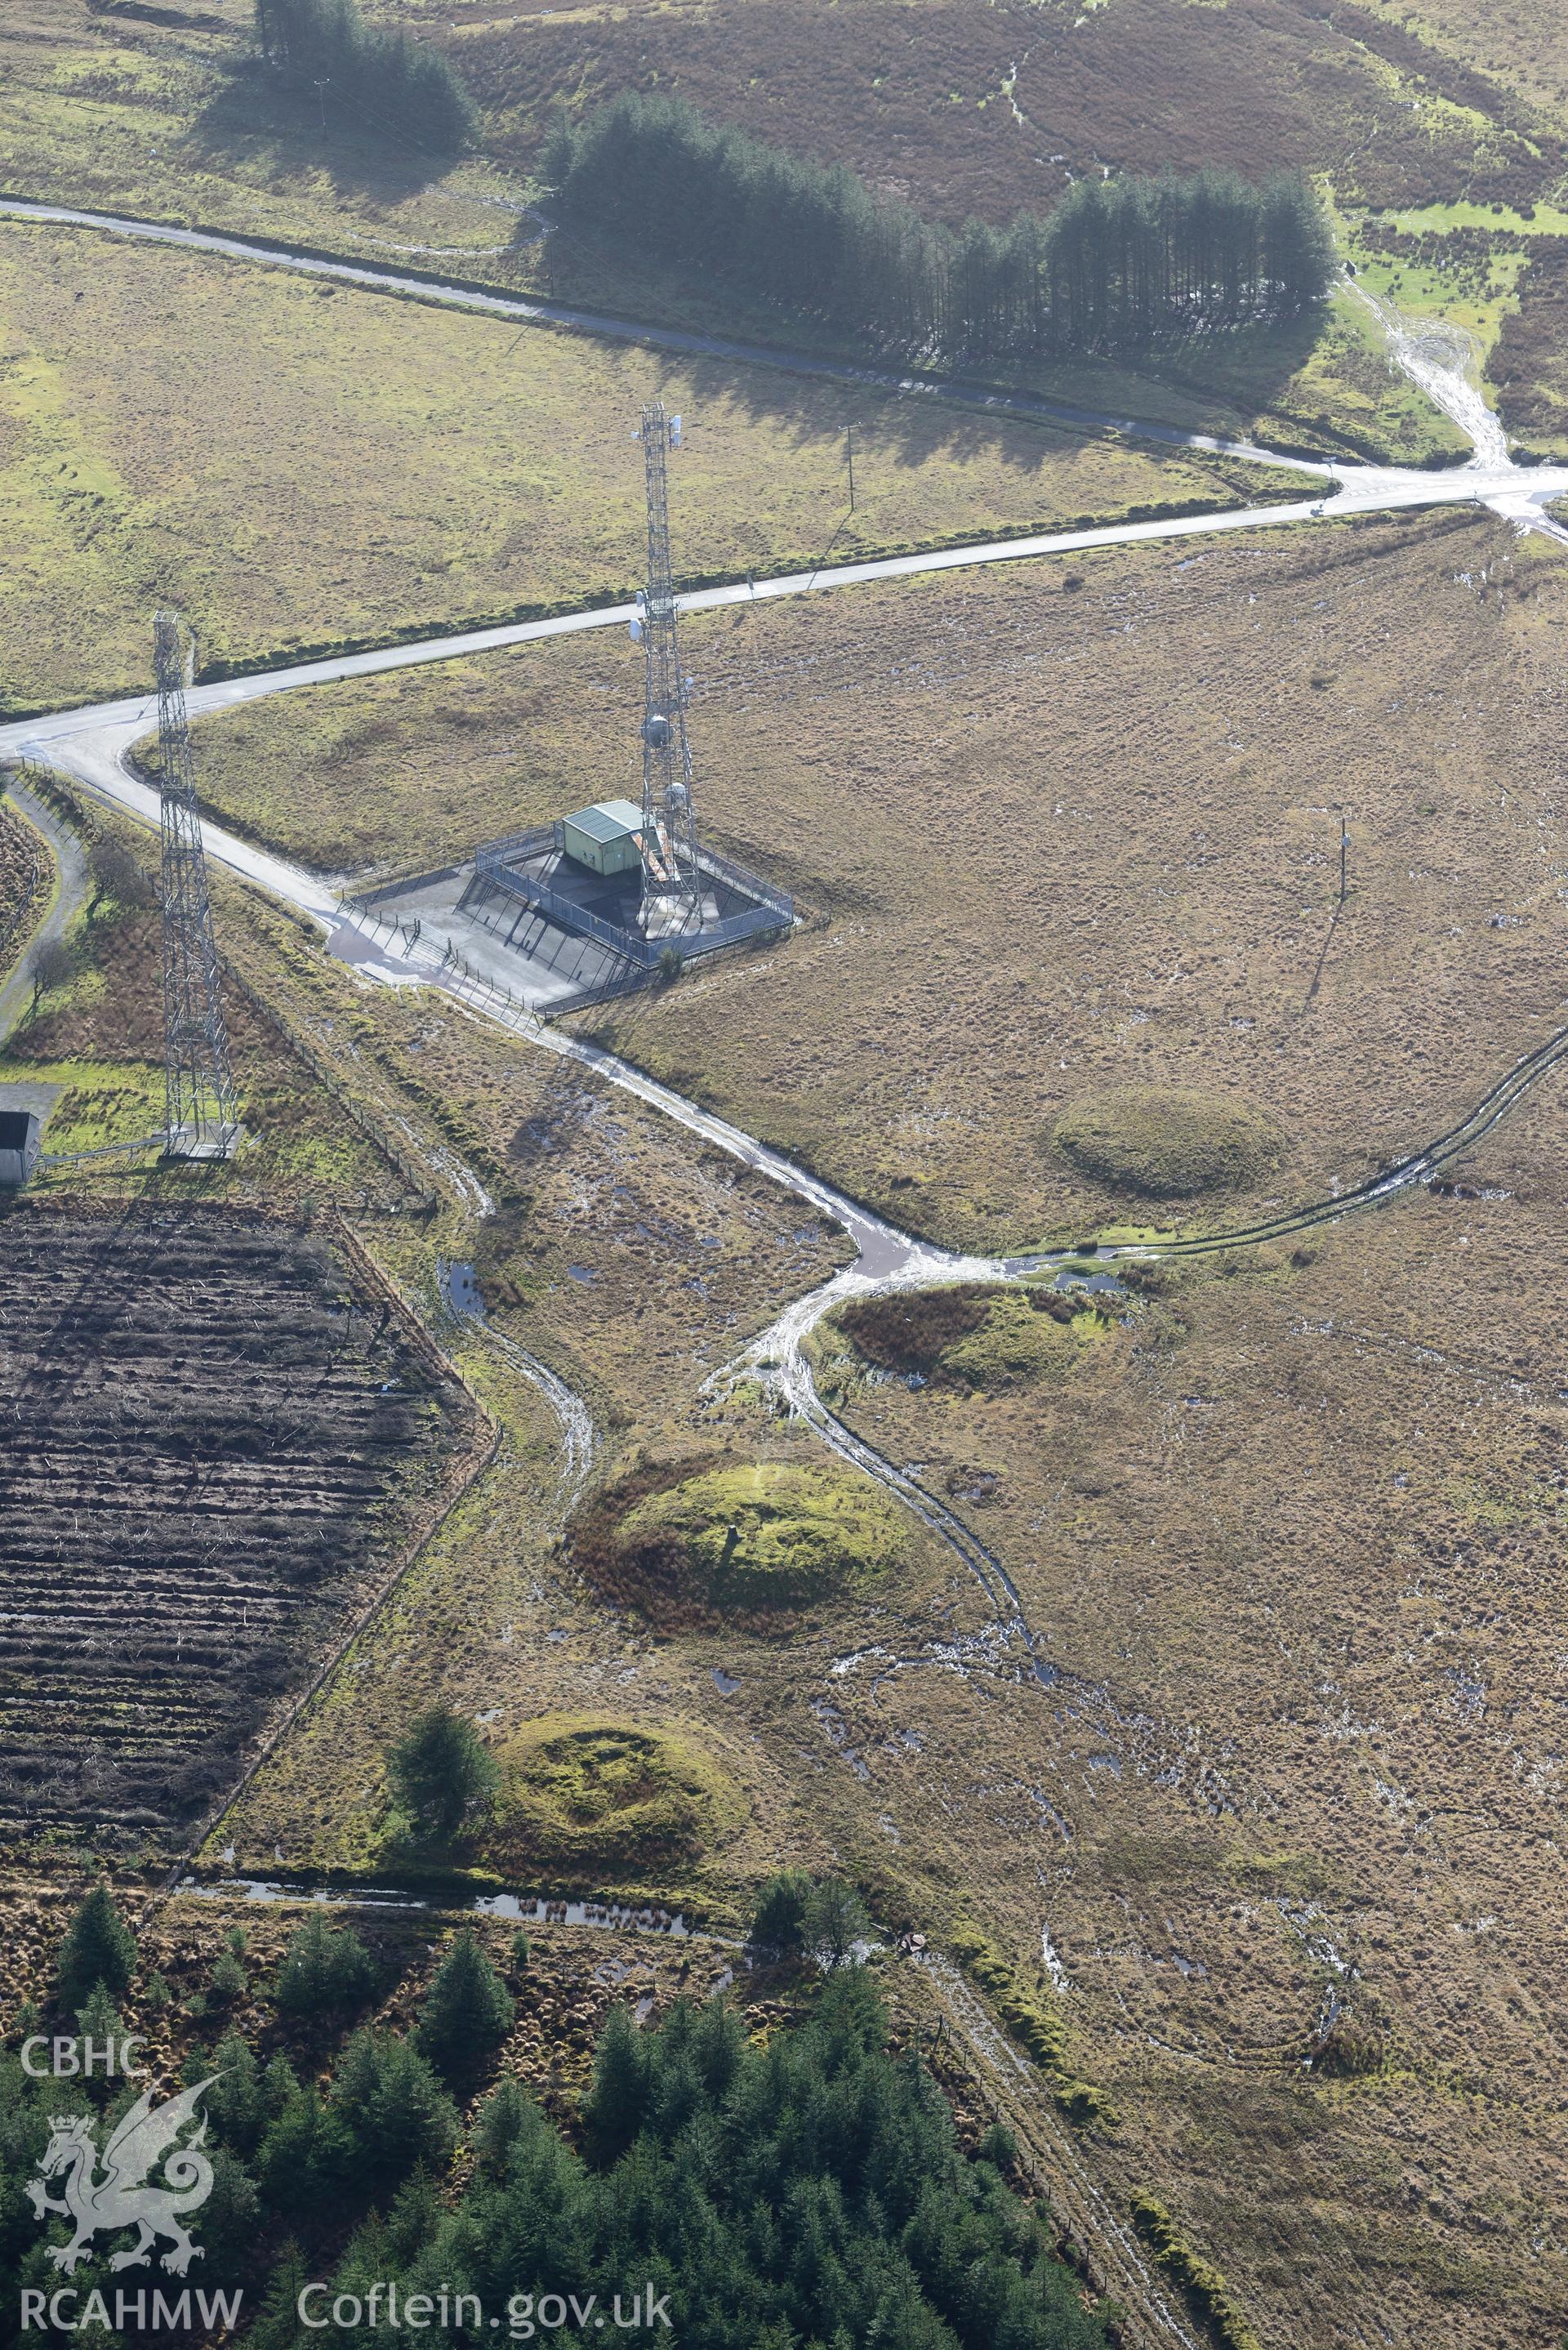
(209,1441)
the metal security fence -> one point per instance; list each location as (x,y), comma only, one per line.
(502,864)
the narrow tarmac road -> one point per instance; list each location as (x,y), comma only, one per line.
(988,399)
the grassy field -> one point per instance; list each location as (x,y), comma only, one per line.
(1517,48)
(161,120)
(1528,365)
(24,877)
(635,1271)
(961,112)
(1292,1528)
(1286,1524)
(978,112)
(390,467)
(98,1036)
(968,111)
(1269,1873)
(1055,829)
(119,112)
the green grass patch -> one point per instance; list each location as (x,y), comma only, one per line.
(710,1540)
(1031,2022)
(971,1336)
(1341,394)
(102,1101)
(1421,220)
(774,1534)
(586,1793)
(1034,2023)
(518,488)
(1206,2291)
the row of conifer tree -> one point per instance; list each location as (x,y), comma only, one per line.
(1119,262)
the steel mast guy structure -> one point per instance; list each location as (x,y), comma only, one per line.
(202,1116)
(672,881)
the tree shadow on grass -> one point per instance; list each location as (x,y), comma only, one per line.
(1232,377)
(265,123)
(1212,378)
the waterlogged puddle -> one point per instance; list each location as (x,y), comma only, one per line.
(530,1909)
(525,1908)
(837,1730)
(268,1890)
(1049,1814)
(460,1289)
(1050,1958)
(1100,1285)
(725,1683)
(989,1651)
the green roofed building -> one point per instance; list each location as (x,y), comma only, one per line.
(604,837)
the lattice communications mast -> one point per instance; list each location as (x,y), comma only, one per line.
(199,1086)
(671,884)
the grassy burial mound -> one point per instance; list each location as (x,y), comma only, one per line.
(1160,921)
(584,1791)
(701,1541)
(1169,1142)
(969,1336)
(210,1442)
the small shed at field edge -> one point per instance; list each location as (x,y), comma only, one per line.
(604,837)
(18,1145)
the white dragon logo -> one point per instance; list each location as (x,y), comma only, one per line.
(121,2198)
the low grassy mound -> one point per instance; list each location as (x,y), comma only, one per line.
(719,1540)
(1168,1143)
(912,1329)
(583,1792)
(972,1335)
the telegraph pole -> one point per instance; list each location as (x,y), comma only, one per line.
(850,446)
(672,882)
(201,1115)
(1343,853)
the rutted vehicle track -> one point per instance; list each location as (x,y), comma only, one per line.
(89,746)
(578,1444)
(1074,2193)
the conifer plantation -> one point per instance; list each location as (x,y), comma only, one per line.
(1120,262)
(806,2186)
(811,2191)
(396,85)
